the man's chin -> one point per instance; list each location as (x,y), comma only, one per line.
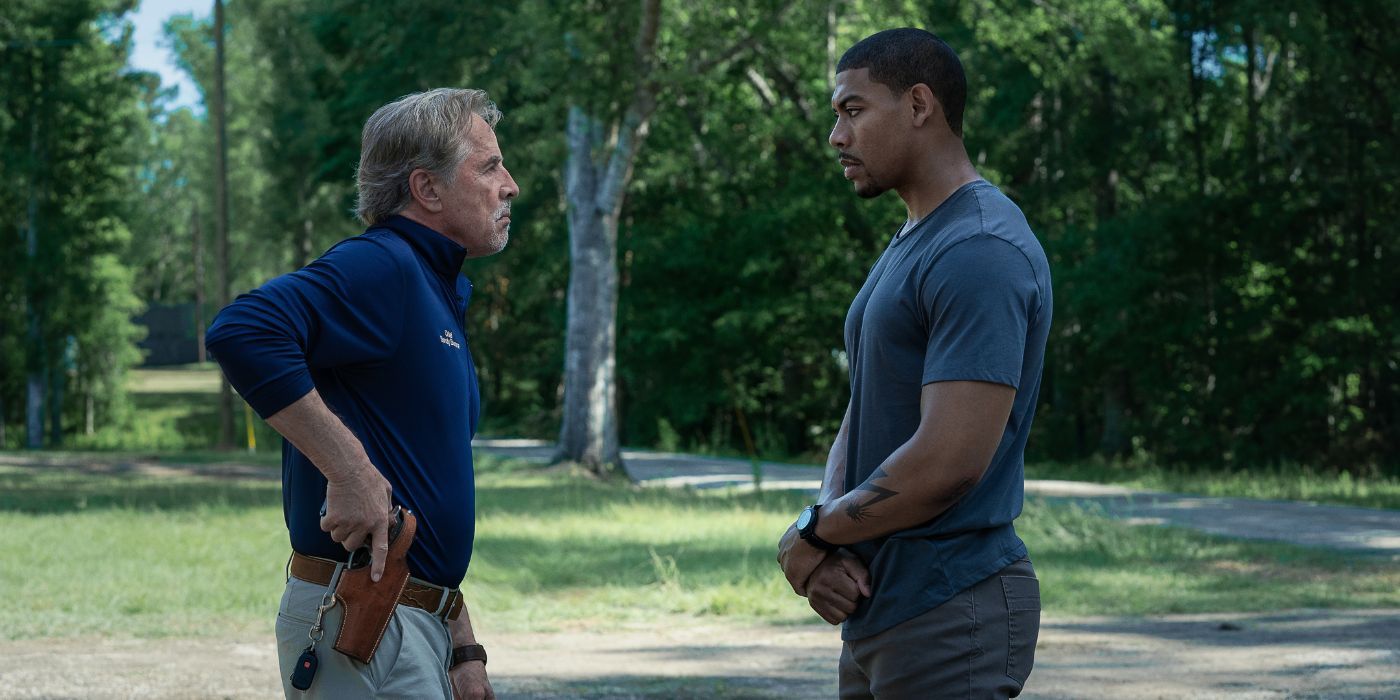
(499,241)
(868,189)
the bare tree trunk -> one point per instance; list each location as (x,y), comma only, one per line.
(1195,57)
(59,372)
(588,433)
(1251,128)
(221,212)
(34,400)
(198,232)
(304,245)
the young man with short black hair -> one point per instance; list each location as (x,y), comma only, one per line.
(911,544)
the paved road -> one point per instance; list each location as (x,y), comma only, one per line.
(1338,527)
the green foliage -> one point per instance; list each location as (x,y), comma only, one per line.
(71,128)
(1213,182)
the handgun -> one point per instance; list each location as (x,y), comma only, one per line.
(361,556)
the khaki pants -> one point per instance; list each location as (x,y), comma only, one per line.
(411,661)
(980,644)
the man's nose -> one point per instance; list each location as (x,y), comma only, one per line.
(511,190)
(839,138)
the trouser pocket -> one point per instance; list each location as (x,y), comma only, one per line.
(1023,624)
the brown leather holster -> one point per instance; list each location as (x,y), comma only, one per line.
(369,605)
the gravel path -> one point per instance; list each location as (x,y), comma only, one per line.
(1299,654)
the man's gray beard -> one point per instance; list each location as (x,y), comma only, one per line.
(499,240)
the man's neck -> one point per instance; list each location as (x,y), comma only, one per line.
(937,178)
(422,217)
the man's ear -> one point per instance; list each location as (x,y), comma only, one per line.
(423,188)
(923,105)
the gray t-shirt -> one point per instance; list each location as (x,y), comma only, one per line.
(964,296)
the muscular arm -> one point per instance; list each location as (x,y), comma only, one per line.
(834,481)
(357,495)
(961,423)
(838,582)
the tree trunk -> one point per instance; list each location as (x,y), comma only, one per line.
(301,240)
(56,388)
(1196,84)
(588,434)
(221,213)
(1251,102)
(34,400)
(304,246)
(198,233)
(594,190)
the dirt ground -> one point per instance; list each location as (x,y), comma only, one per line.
(1295,654)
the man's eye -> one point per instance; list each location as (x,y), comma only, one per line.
(853,111)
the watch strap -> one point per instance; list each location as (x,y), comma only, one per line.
(812,539)
(468,652)
(809,535)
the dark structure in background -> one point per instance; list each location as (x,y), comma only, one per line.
(170,335)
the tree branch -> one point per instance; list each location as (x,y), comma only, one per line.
(748,41)
(633,129)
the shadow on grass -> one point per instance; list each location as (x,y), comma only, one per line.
(1360,630)
(532,565)
(785,687)
(57,491)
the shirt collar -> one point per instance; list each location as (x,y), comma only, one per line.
(443,254)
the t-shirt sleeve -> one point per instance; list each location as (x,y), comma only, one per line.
(978,298)
(343,309)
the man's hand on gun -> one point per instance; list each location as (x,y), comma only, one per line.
(358,513)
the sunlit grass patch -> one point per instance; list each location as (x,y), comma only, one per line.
(143,556)
(1089,564)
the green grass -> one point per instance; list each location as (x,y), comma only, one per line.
(176,420)
(132,555)
(1293,483)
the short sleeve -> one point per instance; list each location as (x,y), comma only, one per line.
(978,298)
(343,309)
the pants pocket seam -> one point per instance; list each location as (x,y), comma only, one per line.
(1018,609)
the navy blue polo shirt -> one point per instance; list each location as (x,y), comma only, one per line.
(964,296)
(375,325)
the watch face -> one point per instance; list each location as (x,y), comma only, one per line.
(804,519)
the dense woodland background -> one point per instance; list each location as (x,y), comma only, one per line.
(1213,180)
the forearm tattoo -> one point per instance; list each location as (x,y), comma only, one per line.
(858,511)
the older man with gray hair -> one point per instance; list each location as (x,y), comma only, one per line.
(360,361)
